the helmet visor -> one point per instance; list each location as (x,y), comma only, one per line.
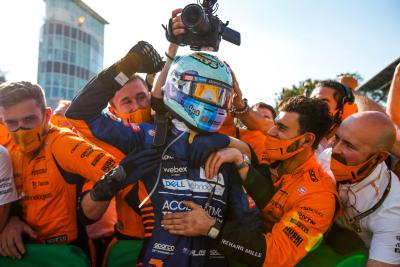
(206,90)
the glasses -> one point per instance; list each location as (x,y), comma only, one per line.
(348,197)
(207,90)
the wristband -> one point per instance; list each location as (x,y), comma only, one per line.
(169,57)
(245,109)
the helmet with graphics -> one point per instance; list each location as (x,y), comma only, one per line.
(199,90)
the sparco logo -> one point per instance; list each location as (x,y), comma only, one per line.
(164,247)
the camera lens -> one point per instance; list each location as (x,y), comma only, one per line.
(195,19)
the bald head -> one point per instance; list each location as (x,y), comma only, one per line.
(371,128)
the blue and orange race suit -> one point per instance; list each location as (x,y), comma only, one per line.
(173,183)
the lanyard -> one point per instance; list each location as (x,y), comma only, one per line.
(355,221)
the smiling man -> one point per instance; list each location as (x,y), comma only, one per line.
(132,102)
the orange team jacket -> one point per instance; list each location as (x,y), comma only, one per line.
(5,137)
(49,182)
(132,222)
(254,138)
(298,215)
(61,122)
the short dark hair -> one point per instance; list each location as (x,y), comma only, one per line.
(314,115)
(12,93)
(339,91)
(265,105)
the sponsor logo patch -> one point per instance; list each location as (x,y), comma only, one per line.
(175,171)
(301,190)
(193,252)
(306,218)
(194,186)
(313,176)
(293,235)
(57,239)
(299,224)
(164,248)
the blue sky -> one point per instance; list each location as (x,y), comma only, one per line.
(283,41)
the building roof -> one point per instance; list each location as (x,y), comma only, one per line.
(93,13)
(382,80)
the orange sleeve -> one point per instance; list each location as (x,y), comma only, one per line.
(5,137)
(76,155)
(300,229)
(84,130)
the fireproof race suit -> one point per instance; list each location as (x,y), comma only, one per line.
(49,182)
(300,212)
(173,183)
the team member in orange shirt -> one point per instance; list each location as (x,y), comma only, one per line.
(297,209)
(50,166)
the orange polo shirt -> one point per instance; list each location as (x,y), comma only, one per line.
(298,215)
(50,181)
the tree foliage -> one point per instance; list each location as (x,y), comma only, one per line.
(355,75)
(307,86)
(302,88)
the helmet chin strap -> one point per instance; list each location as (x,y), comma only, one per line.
(192,135)
(183,127)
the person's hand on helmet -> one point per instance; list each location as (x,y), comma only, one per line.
(147,58)
(237,101)
(204,145)
(133,167)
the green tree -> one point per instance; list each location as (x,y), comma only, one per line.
(355,75)
(303,88)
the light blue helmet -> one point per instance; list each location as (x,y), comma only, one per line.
(199,90)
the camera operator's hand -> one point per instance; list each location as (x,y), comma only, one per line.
(175,28)
(177,25)
(147,58)
(133,167)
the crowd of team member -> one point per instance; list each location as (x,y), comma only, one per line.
(187,166)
